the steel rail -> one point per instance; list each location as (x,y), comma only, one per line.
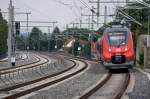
(97,87)
(38,59)
(125,85)
(92,91)
(2,72)
(36,80)
(25,92)
(2,61)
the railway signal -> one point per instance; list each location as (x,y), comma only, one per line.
(17,27)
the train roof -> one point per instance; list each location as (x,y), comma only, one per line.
(116,29)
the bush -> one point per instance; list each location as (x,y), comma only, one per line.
(141,61)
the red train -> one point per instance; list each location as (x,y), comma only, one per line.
(117,48)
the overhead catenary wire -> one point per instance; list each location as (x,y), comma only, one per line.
(38,11)
(86,5)
(143,3)
(129,17)
(117,5)
(74,5)
(67,5)
(136,7)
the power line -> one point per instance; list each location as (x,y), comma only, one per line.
(39,12)
(99,15)
(123,2)
(18,12)
(128,17)
(35,26)
(87,23)
(37,21)
(67,5)
(86,5)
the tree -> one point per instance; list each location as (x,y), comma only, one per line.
(20,42)
(59,43)
(56,30)
(3,35)
(140,15)
(34,39)
(75,47)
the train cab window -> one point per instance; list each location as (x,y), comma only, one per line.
(117,38)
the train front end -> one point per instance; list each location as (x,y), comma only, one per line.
(117,48)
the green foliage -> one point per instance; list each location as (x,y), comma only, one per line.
(34,39)
(86,50)
(76,45)
(141,16)
(43,45)
(52,44)
(94,38)
(56,30)
(77,33)
(3,35)
(41,41)
(69,50)
(141,61)
(59,44)
(84,37)
(21,42)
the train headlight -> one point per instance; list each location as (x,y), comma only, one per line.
(109,49)
(126,48)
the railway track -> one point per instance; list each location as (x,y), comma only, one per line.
(9,68)
(21,67)
(104,83)
(8,75)
(25,88)
(37,84)
(124,87)
(2,61)
(77,57)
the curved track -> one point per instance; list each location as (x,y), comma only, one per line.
(1,61)
(124,82)
(45,81)
(23,67)
(8,68)
(14,75)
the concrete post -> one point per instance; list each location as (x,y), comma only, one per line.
(10,30)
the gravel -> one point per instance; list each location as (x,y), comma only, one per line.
(77,85)
(147,70)
(52,67)
(73,87)
(142,87)
(19,62)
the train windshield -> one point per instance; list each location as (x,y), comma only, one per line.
(117,38)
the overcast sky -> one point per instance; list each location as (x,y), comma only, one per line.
(63,11)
